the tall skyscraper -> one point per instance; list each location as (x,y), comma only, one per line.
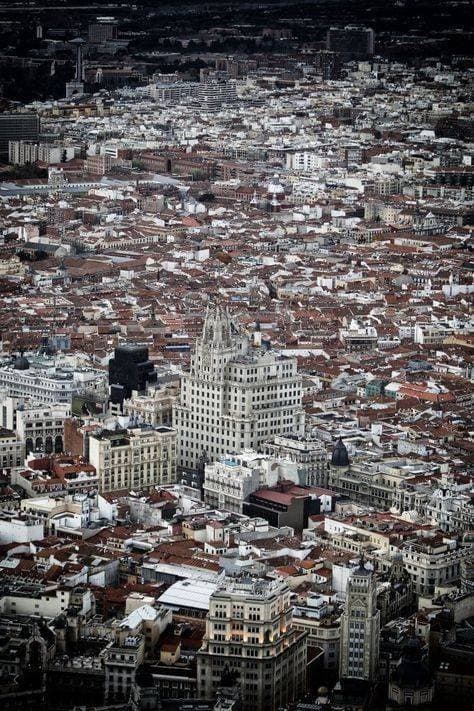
(351,42)
(76,86)
(235,396)
(360,627)
(130,369)
(17,127)
(102,31)
(249,633)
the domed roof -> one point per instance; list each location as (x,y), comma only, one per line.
(412,672)
(340,456)
(21,362)
(274,186)
(60,622)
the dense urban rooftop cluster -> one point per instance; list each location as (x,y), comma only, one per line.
(236,372)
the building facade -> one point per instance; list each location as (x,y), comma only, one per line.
(249,632)
(306,452)
(42,428)
(360,627)
(134,458)
(234,398)
(47,386)
(228,483)
(12,449)
(155,407)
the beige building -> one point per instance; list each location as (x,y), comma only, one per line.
(434,561)
(155,407)
(12,266)
(250,631)
(134,458)
(41,428)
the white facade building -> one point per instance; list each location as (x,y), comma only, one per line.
(15,528)
(49,381)
(308,453)
(12,449)
(228,483)
(451,509)
(234,397)
(155,407)
(23,152)
(433,562)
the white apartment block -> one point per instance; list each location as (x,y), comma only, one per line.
(306,161)
(44,387)
(16,528)
(433,562)
(23,152)
(234,397)
(308,453)
(12,449)
(215,95)
(40,601)
(450,508)
(134,458)
(171,93)
(49,381)
(250,630)
(228,483)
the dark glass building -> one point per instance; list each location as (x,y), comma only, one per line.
(351,42)
(17,127)
(129,369)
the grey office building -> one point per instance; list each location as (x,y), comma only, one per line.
(17,127)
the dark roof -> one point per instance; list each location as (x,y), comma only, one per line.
(412,672)
(21,362)
(340,456)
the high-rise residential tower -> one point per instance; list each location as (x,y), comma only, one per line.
(235,396)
